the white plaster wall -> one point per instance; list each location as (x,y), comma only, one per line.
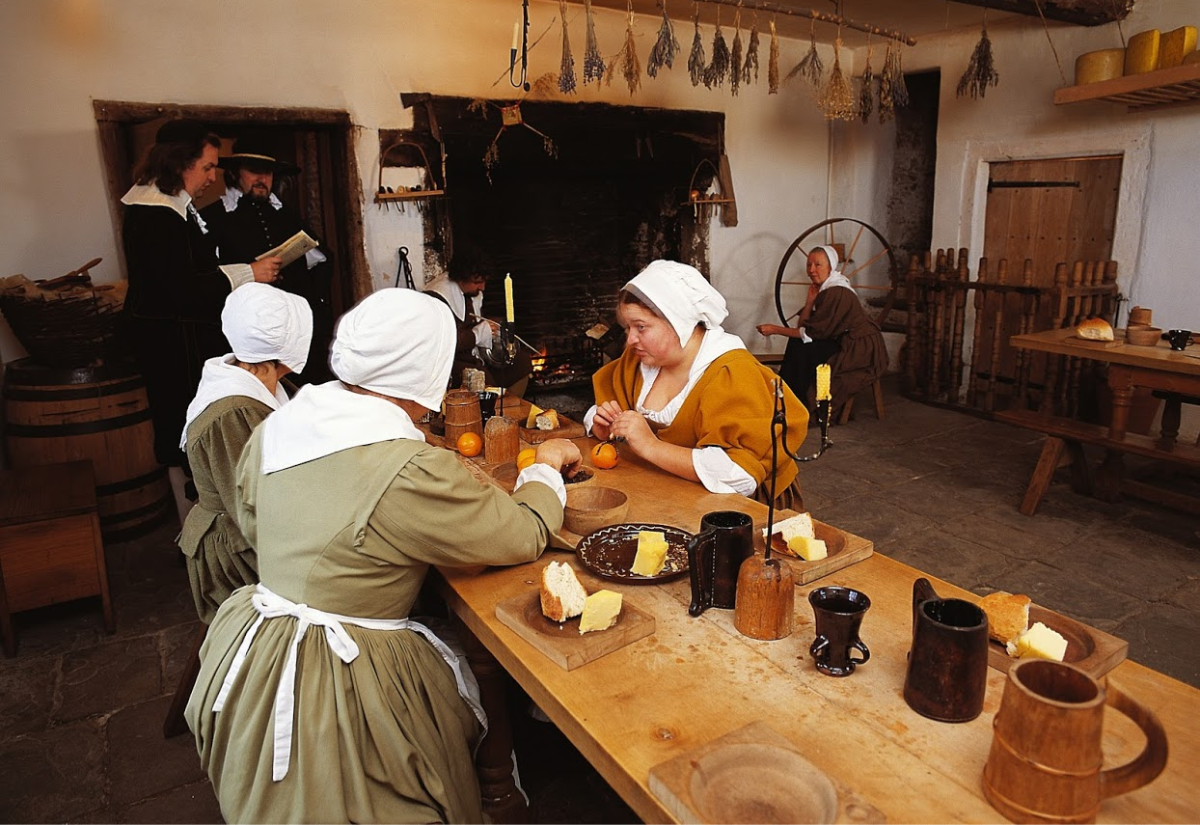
(353,55)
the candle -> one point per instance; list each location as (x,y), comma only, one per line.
(516,29)
(508,301)
(823,382)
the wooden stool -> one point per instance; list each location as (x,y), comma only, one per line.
(848,407)
(50,546)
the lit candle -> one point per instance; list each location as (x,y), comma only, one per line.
(823,382)
(516,29)
(508,301)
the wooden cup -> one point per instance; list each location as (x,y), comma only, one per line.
(766,599)
(1045,760)
(461,415)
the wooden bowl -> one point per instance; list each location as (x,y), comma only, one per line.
(591,507)
(1141,336)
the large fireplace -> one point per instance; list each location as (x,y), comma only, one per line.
(572,217)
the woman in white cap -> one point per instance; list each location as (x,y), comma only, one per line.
(689,397)
(269,331)
(832,328)
(370,717)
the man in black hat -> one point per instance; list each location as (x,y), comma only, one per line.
(250,219)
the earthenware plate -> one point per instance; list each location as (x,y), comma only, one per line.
(609,552)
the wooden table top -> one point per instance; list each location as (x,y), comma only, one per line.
(1159,357)
(697,679)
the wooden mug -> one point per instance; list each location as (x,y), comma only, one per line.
(462,415)
(1045,760)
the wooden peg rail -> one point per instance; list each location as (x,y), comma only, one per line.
(826,17)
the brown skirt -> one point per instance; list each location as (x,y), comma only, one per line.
(790,499)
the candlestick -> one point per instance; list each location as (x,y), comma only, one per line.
(508,298)
(823,382)
(516,29)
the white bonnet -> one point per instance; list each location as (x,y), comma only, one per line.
(263,323)
(835,262)
(680,294)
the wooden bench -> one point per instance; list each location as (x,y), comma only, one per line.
(1069,435)
(50,545)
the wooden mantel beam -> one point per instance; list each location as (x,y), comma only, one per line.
(1079,12)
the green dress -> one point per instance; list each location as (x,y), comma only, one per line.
(219,559)
(385,737)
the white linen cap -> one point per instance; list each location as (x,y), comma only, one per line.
(831,254)
(680,294)
(263,323)
(398,343)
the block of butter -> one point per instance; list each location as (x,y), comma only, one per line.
(1174,45)
(651,555)
(1141,52)
(808,549)
(1038,642)
(1104,64)
(600,611)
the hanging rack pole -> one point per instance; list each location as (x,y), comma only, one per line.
(792,11)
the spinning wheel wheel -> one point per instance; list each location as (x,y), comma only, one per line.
(866,256)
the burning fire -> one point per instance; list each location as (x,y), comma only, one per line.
(539,362)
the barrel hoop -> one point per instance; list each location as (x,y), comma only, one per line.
(130,483)
(136,512)
(20,393)
(79,428)
(29,371)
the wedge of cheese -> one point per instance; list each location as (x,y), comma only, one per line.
(651,555)
(534,412)
(600,611)
(1175,45)
(1141,52)
(1038,642)
(808,549)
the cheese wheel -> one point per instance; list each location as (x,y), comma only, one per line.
(1104,64)
(1141,53)
(1175,45)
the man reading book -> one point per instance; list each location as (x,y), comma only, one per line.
(250,219)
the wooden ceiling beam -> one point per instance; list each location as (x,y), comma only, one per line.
(1079,12)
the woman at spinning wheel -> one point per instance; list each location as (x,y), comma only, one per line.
(833,329)
(689,397)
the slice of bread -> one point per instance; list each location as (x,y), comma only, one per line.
(1007,613)
(562,595)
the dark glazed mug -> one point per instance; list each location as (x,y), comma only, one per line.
(487,404)
(948,663)
(839,612)
(715,554)
(1179,339)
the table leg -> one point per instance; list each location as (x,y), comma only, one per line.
(1044,471)
(1172,414)
(1120,381)
(501,799)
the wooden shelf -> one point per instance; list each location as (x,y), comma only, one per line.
(407,195)
(1163,89)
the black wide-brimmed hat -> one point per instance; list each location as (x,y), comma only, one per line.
(255,156)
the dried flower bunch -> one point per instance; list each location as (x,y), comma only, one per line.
(566,71)
(866,89)
(665,48)
(773,63)
(981,70)
(810,66)
(750,67)
(593,63)
(631,66)
(696,60)
(717,70)
(735,56)
(836,100)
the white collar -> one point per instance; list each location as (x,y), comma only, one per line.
(233,195)
(221,378)
(837,279)
(148,194)
(324,419)
(716,343)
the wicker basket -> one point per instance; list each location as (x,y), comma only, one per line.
(75,325)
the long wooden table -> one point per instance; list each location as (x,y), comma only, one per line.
(1160,368)
(697,679)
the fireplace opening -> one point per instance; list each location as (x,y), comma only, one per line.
(577,198)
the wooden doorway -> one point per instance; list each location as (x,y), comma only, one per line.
(320,141)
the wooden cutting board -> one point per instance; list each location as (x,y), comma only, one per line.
(1092,651)
(563,643)
(566,429)
(754,774)
(843,549)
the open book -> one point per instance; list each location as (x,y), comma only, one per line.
(291,249)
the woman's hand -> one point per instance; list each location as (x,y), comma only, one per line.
(602,421)
(560,454)
(813,291)
(771,329)
(266,270)
(635,429)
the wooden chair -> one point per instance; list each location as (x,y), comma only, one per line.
(848,408)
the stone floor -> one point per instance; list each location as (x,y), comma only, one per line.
(81,712)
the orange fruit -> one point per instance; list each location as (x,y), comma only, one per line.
(525,458)
(469,444)
(605,456)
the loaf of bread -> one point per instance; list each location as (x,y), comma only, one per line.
(600,611)
(546,420)
(1008,615)
(562,595)
(1095,329)
(651,555)
(1039,642)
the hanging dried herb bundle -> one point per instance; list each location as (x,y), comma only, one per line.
(899,87)
(836,100)
(593,63)
(866,89)
(810,67)
(718,69)
(631,67)
(696,58)
(773,63)
(665,48)
(545,87)
(750,67)
(887,101)
(735,56)
(566,71)
(981,70)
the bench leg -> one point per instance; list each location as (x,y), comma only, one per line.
(1052,452)
(1108,479)
(175,724)
(878,399)
(1081,472)
(847,408)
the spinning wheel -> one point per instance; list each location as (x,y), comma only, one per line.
(866,256)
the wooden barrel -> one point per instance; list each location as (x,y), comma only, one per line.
(461,415)
(100,414)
